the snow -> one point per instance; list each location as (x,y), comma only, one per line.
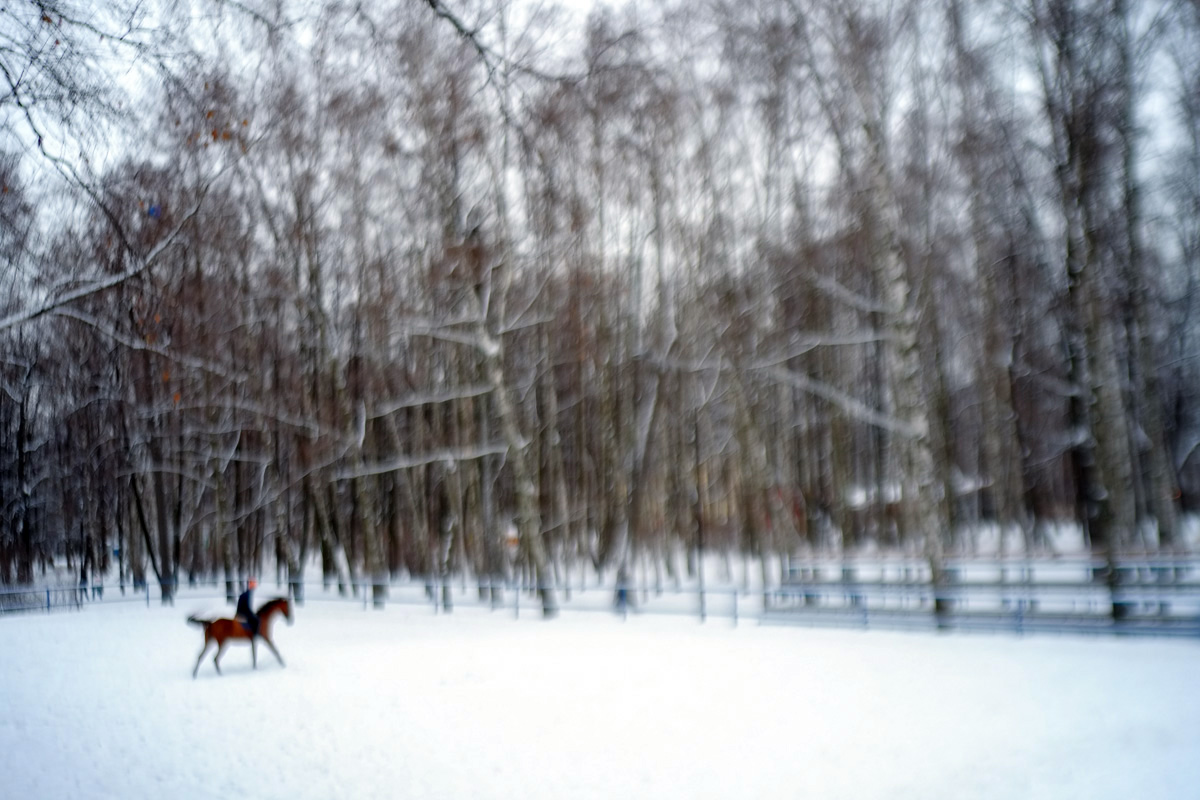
(405,702)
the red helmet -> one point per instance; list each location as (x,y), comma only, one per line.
(252,583)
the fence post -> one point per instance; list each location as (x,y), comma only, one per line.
(735,608)
(47,601)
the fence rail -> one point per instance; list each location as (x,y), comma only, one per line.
(440,595)
(1148,596)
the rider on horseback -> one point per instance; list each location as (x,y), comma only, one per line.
(245,612)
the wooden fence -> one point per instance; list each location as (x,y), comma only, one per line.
(1151,594)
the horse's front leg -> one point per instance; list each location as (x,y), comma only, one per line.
(253,652)
(217,657)
(271,645)
(207,642)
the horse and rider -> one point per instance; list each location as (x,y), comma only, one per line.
(247,625)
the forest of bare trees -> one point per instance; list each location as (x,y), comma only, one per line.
(463,287)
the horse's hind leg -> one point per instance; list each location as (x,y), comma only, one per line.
(207,642)
(273,650)
(217,657)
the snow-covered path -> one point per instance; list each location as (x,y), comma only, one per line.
(408,704)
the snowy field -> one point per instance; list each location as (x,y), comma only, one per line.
(405,703)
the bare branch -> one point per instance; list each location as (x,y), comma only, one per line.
(449,455)
(140,265)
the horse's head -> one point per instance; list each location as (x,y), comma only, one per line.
(279,605)
(284,606)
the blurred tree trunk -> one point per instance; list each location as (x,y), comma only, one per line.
(1000,437)
(1076,40)
(921,492)
(529,523)
(1158,474)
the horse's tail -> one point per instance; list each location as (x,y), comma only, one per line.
(203,623)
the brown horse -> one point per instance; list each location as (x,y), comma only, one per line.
(222,631)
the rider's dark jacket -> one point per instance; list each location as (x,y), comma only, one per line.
(246,612)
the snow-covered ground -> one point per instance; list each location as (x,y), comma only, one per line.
(410,704)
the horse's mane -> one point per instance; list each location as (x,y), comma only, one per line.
(270,604)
